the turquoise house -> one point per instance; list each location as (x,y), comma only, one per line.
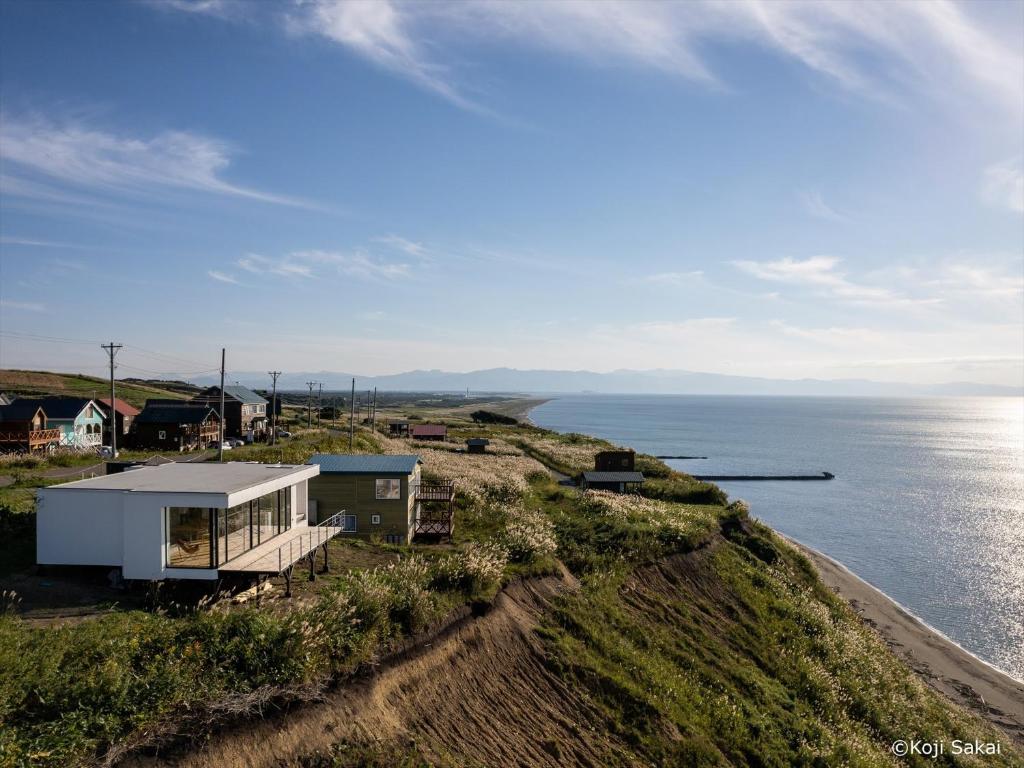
(79,419)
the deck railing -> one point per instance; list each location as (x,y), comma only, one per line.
(434,491)
(295,549)
(32,437)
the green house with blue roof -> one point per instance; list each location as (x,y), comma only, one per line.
(377,494)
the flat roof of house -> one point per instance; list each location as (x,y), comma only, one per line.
(192,477)
(371,464)
(613,477)
(478,441)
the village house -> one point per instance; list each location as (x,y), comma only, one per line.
(381,495)
(123,413)
(245,412)
(175,425)
(398,428)
(23,427)
(429,432)
(183,521)
(79,419)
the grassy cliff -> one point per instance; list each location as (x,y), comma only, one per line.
(694,637)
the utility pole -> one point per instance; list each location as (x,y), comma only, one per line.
(112,349)
(273,408)
(373,415)
(352,418)
(319,403)
(220,443)
(309,404)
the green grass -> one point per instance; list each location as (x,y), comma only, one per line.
(721,658)
(43,383)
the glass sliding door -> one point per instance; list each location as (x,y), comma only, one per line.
(189,542)
(267,526)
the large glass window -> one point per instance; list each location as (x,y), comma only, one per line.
(207,538)
(188,537)
(389,489)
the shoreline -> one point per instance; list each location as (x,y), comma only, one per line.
(954,672)
(947,668)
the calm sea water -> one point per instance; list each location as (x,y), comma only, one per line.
(927,504)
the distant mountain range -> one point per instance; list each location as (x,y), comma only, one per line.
(661,382)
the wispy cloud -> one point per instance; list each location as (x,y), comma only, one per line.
(222,277)
(673,279)
(819,272)
(287,266)
(871,47)
(409,247)
(40,243)
(356,264)
(309,264)
(815,205)
(25,306)
(1003,185)
(41,153)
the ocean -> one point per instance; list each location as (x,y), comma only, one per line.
(927,504)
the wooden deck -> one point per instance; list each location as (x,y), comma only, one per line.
(280,553)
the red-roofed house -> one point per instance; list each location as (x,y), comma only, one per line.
(429,432)
(123,415)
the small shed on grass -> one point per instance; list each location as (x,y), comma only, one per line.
(477,444)
(618,482)
(429,432)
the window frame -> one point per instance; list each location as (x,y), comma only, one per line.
(385,496)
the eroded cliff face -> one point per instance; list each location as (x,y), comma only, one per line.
(731,654)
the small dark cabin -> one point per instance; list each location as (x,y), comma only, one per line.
(477,444)
(615,461)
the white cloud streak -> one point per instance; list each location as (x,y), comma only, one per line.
(814,204)
(935,47)
(222,277)
(41,153)
(819,272)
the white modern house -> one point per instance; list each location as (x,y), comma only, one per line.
(183,521)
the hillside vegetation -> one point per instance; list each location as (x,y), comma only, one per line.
(685,634)
(43,383)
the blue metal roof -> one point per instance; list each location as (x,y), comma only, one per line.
(372,464)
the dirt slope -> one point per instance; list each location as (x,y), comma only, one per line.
(481,692)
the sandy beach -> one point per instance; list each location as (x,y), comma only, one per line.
(943,664)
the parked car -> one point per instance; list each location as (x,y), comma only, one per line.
(283,432)
(236,442)
(106,452)
(226,445)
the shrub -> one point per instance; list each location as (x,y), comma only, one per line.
(475,570)
(529,535)
(490,417)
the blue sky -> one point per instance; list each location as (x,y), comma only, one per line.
(771,189)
